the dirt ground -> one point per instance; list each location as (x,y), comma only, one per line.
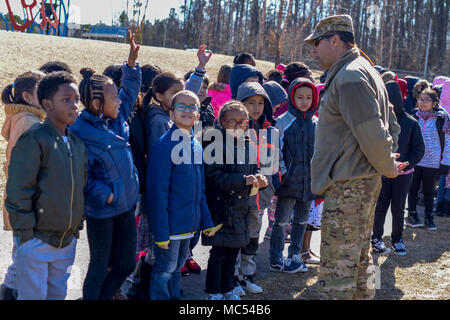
(424,273)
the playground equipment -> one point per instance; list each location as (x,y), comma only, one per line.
(118,33)
(53,17)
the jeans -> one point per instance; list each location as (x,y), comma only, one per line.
(443,192)
(112,243)
(245,264)
(393,193)
(43,270)
(193,243)
(283,215)
(426,177)
(220,272)
(166,275)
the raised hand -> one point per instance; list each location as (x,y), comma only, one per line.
(134,49)
(203,58)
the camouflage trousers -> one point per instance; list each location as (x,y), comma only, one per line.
(346,267)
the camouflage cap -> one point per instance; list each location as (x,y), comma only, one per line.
(334,23)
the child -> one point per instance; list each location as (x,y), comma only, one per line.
(244,58)
(220,91)
(207,120)
(443,204)
(228,186)
(54,66)
(139,288)
(393,193)
(278,96)
(22,111)
(297,147)
(434,124)
(293,71)
(46,177)
(112,191)
(207,117)
(158,100)
(243,73)
(275,75)
(176,197)
(265,138)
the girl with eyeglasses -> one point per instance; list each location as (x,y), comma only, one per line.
(435,126)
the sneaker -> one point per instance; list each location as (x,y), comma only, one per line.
(379,247)
(249,285)
(399,248)
(231,296)
(237,287)
(310,258)
(298,264)
(217,296)
(184,271)
(430,224)
(413,221)
(193,266)
(288,265)
(268,233)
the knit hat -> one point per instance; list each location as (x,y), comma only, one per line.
(276,92)
(333,23)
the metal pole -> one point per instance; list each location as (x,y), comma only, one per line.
(428,51)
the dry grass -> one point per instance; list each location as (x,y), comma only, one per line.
(423,274)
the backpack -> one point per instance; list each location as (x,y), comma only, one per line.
(138,146)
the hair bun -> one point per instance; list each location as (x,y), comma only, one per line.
(87,73)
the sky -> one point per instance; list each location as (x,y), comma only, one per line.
(92,11)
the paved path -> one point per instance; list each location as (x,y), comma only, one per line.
(192,285)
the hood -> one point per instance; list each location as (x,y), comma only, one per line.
(14,112)
(380,69)
(395,97)
(445,96)
(239,74)
(153,110)
(292,108)
(411,82)
(403,87)
(250,89)
(276,92)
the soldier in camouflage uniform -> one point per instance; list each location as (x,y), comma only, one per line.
(355,141)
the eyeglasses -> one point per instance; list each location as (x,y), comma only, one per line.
(183,107)
(317,41)
(234,123)
(425,100)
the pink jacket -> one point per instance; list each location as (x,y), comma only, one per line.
(220,94)
(19,118)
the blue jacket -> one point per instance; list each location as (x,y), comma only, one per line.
(175,193)
(110,161)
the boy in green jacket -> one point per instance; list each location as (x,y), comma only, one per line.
(45,199)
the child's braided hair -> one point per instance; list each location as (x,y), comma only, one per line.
(91,88)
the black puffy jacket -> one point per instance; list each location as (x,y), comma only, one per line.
(228,196)
(411,145)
